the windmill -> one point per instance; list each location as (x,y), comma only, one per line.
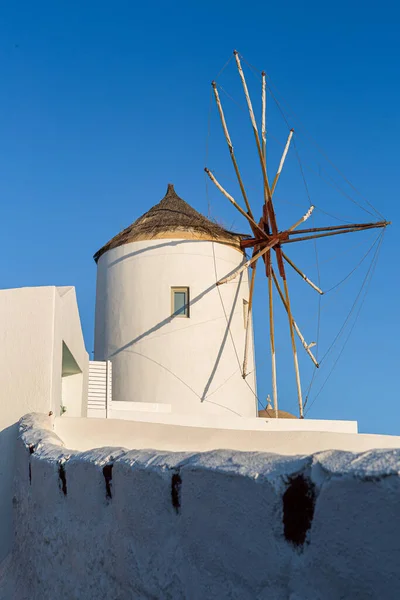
(267,239)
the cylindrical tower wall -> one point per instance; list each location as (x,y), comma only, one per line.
(192,363)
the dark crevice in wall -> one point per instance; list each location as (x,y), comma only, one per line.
(63,478)
(107,472)
(298,509)
(32,449)
(176,483)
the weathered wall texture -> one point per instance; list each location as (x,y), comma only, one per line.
(116,524)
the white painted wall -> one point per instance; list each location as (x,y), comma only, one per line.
(216,525)
(308,437)
(159,413)
(67,327)
(193,364)
(34,322)
(71,394)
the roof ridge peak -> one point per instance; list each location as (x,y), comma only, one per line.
(171,214)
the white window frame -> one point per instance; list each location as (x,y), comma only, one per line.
(185,289)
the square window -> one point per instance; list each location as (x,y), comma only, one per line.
(180,301)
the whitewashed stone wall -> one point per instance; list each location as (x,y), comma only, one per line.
(117,524)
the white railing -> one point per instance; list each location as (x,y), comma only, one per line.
(99,388)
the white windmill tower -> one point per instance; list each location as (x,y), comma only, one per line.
(173,336)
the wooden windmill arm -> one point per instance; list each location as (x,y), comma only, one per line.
(252,222)
(306,279)
(267,189)
(253,123)
(285,151)
(342,227)
(301,337)
(230,146)
(248,321)
(264,117)
(273,242)
(306,216)
(329,231)
(286,237)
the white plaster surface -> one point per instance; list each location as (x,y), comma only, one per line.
(117,408)
(193,363)
(137,411)
(33,324)
(71,394)
(84,434)
(222,533)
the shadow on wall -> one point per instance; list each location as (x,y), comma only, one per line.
(128,346)
(224,338)
(162,245)
(8,438)
(71,384)
(168,319)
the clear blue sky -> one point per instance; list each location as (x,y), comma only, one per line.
(103,103)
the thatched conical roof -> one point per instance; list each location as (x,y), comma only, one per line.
(172,217)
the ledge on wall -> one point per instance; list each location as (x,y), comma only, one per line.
(162,413)
(179,433)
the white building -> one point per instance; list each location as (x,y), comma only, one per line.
(44,367)
(175,338)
